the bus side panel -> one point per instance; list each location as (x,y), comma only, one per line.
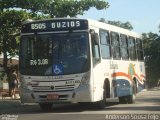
(101,72)
(141,82)
(98,81)
(127,75)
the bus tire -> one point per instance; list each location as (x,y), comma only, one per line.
(131,99)
(122,100)
(135,89)
(46,106)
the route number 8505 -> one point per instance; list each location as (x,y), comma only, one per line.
(37,26)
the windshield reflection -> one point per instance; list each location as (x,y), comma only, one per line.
(54,54)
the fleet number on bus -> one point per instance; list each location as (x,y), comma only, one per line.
(36,26)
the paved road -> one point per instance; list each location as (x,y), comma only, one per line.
(148,102)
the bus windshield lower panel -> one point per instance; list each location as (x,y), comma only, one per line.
(54,54)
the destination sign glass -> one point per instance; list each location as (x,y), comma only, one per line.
(55,25)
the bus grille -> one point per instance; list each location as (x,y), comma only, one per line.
(53,88)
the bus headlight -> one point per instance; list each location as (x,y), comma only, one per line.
(85,79)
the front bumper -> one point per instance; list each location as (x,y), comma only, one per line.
(81,94)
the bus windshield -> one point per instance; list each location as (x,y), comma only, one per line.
(54,54)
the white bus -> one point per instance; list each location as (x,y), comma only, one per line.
(78,61)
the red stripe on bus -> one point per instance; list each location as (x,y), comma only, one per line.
(121,74)
(117,74)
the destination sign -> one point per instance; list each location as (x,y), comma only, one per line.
(55,25)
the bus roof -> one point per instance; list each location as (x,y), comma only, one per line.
(31,21)
(113,28)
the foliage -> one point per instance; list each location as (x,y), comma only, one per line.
(14,12)
(10,23)
(55,8)
(74,7)
(151,43)
(125,25)
(3,76)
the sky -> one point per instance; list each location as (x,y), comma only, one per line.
(143,15)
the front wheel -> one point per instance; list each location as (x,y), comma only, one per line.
(122,100)
(131,99)
(46,106)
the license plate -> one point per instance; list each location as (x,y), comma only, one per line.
(52,96)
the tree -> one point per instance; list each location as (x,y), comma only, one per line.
(125,25)
(102,20)
(14,12)
(10,24)
(55,8)
(151,43)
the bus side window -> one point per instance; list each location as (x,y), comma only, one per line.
(115,45)
(132,48)
(139,49)
(124,47)
(95,50)
(105,44)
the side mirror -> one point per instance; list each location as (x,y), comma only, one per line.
(96,39)
(94,36)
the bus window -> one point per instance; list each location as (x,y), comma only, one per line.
(124,47)
(105,44)
(115,45)
(40,54)
(95,50)
(139,49)
(132,48)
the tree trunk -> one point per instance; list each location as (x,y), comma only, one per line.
(5,61)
